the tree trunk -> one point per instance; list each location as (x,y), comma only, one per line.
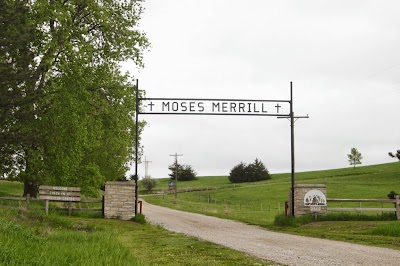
(31,188)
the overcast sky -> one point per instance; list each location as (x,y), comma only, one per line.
(342,56)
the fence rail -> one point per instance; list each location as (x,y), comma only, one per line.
(362,200)
(395,201)
(28,199)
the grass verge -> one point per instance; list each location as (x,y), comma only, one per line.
(34,238)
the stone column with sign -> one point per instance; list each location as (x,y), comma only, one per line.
(119,200)
(308,199)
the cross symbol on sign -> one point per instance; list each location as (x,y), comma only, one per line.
(277,107)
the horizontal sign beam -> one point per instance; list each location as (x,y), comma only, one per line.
(59,188)
(59,193)
(184,106)
(56,193)
(59,198)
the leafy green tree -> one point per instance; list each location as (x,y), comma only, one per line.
(354,157)
(253,172)
(17,35)
(185,172)
(66,117)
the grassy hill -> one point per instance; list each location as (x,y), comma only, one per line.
(345,182)
(259,203)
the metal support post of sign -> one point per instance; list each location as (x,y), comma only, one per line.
(292,157)
(292,145)
(136,145)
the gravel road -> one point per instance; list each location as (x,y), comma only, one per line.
(272,246)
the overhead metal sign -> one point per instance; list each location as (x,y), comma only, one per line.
(233,107)
(182,106)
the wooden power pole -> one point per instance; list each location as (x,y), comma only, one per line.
(176,172)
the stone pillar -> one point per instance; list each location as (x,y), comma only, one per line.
(308,199)
(119,200)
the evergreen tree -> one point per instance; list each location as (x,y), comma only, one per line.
(249,173)
(185,172)
(257,171)
(238,173)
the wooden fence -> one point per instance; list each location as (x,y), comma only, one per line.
(27,201)
(396,203)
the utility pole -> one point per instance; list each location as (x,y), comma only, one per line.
(292,120)
(176,172)
(146,166)
(136,144)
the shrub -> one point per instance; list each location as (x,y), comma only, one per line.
(348,216)
(139,218)
(149,183)
(392,194)
(249,173)
(287,220)
(283,220)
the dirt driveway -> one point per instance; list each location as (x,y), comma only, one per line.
(277,247)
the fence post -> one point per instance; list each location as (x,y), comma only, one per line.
(47,207)
(28,198)
(69,208)
(102,205)
(398,207)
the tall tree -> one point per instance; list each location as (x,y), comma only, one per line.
(354,157)
(67,117)
(17,35)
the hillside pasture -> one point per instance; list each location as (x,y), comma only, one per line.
(258,203)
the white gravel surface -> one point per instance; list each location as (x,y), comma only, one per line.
(272,246)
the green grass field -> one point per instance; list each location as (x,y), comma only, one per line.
(258,203)
(33,238)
